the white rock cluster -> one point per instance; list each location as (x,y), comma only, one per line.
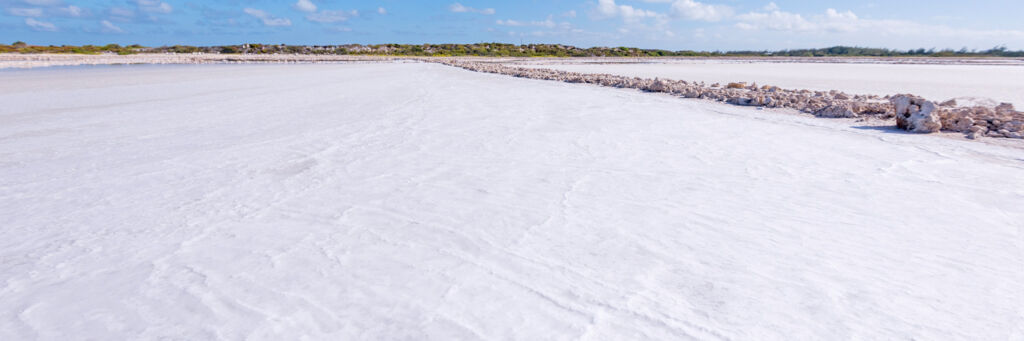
(912,113)
(919,115)
(820,103)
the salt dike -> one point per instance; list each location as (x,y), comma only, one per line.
(981,79)
(421,201)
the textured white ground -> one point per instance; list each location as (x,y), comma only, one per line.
(418,201)
(939,82)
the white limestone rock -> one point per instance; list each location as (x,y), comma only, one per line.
(962,124)
(658,86)
(915,114)
(1004,108)
(836,111)
(741,101)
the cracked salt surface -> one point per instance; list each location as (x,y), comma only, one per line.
(421,201)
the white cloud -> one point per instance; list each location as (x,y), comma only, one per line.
(256,13)
(537,28)
(42,2)
(774,20)
(608,9)
(122,12)
(40,25)
(163,7)
(109,27)
(778,20)
(305,6)
(840,21)
(549,23)
(266,18)
(277,22)
(382,11)
(71,11)
(37,12)
(25,12)
(845,27)
(154,6)
(328,16)
(569,14)
(693,10)
(510,23)
(459,8)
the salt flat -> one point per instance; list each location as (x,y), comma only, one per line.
(418,201)
(988,84)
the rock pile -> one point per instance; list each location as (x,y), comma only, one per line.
(919,115)
(912,113)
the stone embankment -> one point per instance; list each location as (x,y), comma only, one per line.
(912,113)
(920,115)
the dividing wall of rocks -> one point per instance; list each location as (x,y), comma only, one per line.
(912,113)
(1001,121)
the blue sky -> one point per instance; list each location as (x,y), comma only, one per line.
(667,24)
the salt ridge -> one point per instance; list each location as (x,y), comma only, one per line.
(1000,121)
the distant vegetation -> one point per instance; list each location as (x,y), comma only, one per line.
(21,47)
(498,50)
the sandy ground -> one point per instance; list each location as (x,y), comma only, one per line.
(418,201)
(989,83)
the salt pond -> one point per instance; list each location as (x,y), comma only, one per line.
(419,201)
